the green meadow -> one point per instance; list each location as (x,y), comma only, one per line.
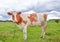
(9,32)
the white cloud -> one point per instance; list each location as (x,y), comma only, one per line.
(53,15)
(21,4)
(17,4)
(27,5)
(1,17)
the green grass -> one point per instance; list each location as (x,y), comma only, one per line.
(9,32)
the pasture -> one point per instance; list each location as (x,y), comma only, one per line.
(9,32)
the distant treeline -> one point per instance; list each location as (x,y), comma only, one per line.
(56,20)
(5,21)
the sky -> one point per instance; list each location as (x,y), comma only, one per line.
(27,5)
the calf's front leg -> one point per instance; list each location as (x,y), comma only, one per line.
(25,32)
(23,27)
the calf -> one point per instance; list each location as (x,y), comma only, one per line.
(23,20)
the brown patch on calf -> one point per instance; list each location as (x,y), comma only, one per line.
(33,17)
(24,22)
(20,19)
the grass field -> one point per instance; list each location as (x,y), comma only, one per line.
(9,32)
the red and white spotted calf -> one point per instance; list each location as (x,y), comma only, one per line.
(23,20)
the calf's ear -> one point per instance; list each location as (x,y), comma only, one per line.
(18,12)
(9,13)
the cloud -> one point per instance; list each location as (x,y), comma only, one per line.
(18,4)
(53,15)
(48,6)
(2,18)
(27,5)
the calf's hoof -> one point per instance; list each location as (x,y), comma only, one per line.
(42,37)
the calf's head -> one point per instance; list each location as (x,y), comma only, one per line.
(15,16)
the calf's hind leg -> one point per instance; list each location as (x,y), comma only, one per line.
(43,25)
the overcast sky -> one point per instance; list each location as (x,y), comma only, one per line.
(27,5)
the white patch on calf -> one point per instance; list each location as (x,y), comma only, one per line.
(15,20)
(21,26)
